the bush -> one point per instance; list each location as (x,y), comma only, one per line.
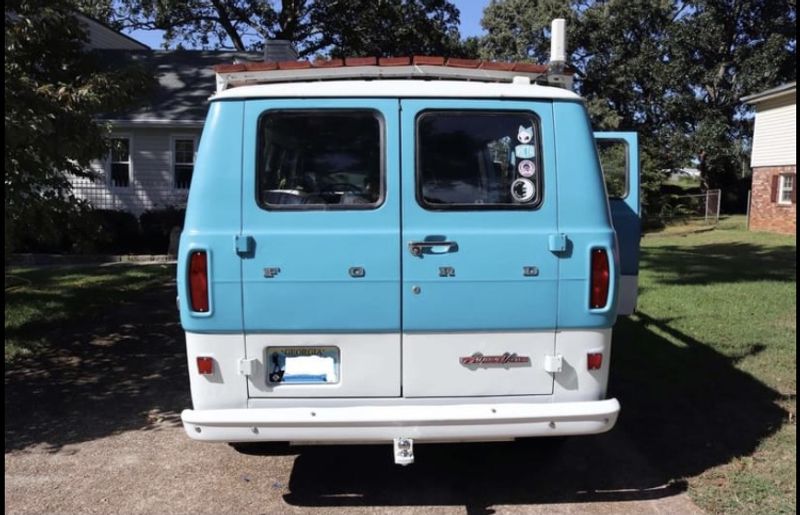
(106,231)
(156,226)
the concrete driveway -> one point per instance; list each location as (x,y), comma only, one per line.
(94,428)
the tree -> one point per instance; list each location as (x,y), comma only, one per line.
(54,88)
(316,27)
(672,71)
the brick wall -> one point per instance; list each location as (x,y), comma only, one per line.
(767,214)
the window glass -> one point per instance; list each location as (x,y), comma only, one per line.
(320,160)
(478,160)
(120,160)
(787,183)
(614,163)
(184,162)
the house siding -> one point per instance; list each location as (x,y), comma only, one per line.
(775,134)
(152,178)
(766,214)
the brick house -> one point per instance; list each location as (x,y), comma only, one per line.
(773,204)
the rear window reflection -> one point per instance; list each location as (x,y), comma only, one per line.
(478,160)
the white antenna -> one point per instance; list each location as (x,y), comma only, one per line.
(558,44)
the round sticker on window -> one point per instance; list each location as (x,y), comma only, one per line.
(523,190)
(526,168)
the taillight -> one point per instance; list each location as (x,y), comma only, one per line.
(594,360)
(601,275)
(198,281)
(205,365)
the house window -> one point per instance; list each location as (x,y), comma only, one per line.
(183,151)
(120,162)
(785,187)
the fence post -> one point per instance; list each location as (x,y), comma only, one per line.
(705,211)
(719,202)
(748,209)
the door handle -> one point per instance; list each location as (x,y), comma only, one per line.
(417,248)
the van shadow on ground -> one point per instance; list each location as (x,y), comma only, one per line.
(123,370)
(684,410)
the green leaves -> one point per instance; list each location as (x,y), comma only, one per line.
(54,88)
(673,71)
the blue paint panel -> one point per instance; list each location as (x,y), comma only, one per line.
(488,291)
(314,250)
(583,215)
(626,212)
(213,218)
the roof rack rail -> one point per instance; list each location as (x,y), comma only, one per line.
(370,68)
(417,67)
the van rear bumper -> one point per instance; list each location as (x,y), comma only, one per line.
(454,422)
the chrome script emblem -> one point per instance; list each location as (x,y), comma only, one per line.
(504,360)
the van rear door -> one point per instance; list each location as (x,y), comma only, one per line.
(479,279)
(619,159)
(320,247)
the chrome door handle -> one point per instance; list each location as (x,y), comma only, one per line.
(417,248)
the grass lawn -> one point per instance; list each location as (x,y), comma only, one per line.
(717,320)
(40,300)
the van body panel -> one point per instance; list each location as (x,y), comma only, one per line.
(314,250)
(213,225)
(488,290)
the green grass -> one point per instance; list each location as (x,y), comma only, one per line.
(40,300)
(731,294)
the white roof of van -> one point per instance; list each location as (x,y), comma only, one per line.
(397,89)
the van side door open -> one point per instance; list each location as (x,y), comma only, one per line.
(619,159)
(480,283)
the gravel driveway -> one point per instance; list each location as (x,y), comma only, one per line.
(94,428)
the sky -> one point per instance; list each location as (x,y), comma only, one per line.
(471,12)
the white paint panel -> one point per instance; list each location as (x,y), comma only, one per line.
(226,388)
(775,133)
(432,367)
(576,382)
(369,365)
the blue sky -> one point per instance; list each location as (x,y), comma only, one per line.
(471,12)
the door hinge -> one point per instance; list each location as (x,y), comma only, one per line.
(247,366)
(553,364)
(557,242)
(243,244)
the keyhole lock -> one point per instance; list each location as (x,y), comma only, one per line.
(416,290)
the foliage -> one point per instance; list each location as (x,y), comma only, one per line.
(156,226)
(315,27)
(54,89)
(673,71)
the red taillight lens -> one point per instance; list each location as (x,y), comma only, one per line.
(205,365)
(198,281)
(598,297)
(594,360)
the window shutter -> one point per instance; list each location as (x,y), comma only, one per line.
(773,196)
(794,189)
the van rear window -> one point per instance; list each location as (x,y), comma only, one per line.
(320,160)
(478,160)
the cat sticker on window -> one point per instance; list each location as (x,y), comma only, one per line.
(524,150)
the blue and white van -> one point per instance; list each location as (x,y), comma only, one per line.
(409,253)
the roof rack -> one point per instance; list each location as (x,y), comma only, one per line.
(417,67)
(369,68)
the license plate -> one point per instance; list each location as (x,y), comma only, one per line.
(302,365)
